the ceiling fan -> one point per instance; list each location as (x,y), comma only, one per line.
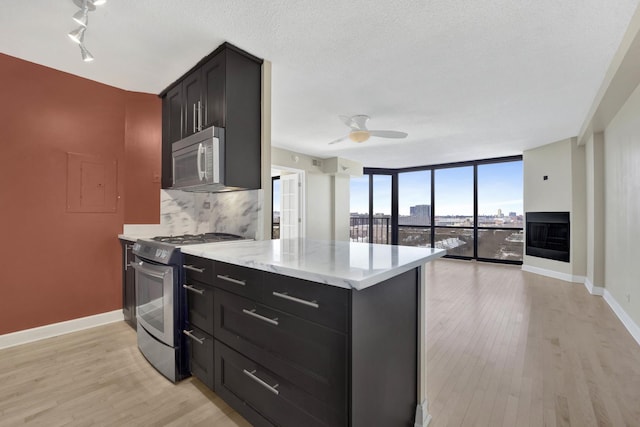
(360,133)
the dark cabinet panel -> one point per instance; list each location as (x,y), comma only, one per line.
(172,124)
(310,356)
(201,364)
(198,269)
(264,397)
(192,89)
(239,280)
(213,82)
(128,285)
(200,305)
(326,305)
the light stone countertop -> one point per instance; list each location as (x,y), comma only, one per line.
(344,264)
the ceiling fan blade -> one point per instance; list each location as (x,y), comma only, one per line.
(388,134)
(359,122)
(346,120)
(344,138)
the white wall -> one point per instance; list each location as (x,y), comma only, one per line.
(319,206)
(595,210)
(622,206)
(327,185)
(563,163)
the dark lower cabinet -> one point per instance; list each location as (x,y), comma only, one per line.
(265,398)
(128,284)
(289,352)
(201,355)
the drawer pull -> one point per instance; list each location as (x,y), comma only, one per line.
(258,316)
(232,280)
(193,337)
(192,289)
(272,389)
(286,296)
(192,268)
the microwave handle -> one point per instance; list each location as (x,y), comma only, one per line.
(201,149)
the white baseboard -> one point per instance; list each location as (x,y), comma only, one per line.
(55,329)
(593,290)
(626,320)
(554,274)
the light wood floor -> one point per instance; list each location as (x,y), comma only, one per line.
(506,348)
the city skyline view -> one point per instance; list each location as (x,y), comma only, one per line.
(499,188)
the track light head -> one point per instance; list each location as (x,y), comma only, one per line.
(86,55)
(77,35)
(82,17)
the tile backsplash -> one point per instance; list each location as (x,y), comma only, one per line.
(236,212)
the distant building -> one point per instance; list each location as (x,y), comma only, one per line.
(419,215)
(500,213)
(513,214)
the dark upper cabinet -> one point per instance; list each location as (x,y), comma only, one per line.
(213,83)
(172,123)
(193,99)
(223,90)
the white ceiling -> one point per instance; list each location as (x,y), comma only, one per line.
(466,79)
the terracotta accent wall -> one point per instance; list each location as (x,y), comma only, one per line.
(143,141)
(58,265)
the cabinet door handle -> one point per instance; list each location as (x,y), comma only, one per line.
(199,115)
(192,289)
(252,375)
(193,337)
(192,268)
(286,296)
(232,280)
(258,316)
(194,118)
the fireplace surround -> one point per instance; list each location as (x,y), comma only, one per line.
(548,235)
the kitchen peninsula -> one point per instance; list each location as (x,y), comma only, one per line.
(315,333)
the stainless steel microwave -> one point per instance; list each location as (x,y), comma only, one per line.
(198,161)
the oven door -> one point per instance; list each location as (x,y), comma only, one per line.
(154,299)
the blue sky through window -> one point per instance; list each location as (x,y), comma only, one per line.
(500,186)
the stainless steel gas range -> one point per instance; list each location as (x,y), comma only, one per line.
(161,300)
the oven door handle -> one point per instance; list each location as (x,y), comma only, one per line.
(138,266)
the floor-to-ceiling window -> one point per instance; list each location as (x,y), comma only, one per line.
(381,218)
(414,208)
(471,209)
(359,209)
(453,210)
(500,211)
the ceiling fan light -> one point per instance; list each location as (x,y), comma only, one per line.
(359,135)
(86,55)
(98,2)
(81,17)
(77,35)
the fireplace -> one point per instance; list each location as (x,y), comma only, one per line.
(548,235)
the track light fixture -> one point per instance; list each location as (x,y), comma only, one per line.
(86,55)
(82,18)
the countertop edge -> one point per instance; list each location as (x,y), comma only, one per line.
(317,277)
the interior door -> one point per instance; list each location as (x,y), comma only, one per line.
(290,206)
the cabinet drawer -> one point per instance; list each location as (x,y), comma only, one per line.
(200,346)
(316,302)
(310,356)
(200,269)
(237,279)
(200,305)
(245,384)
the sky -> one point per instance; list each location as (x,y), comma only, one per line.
(499,187)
